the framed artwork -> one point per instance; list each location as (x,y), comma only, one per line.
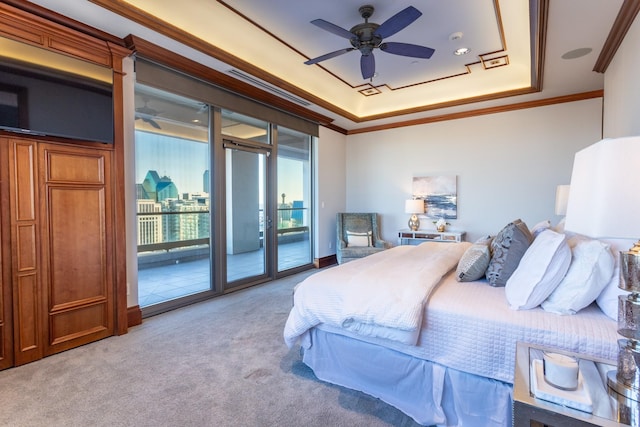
(440,195)
(13,106)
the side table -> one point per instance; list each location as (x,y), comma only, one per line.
(528,410)
(410,237)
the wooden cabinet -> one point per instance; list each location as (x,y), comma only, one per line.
(60,225)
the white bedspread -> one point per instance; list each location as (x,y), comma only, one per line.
(382,295)
(470,327)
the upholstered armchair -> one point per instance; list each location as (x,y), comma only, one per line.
(357,236)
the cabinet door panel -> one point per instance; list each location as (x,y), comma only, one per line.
(69,325)
(27,303)
(69,168)
(23,194)
(77,245)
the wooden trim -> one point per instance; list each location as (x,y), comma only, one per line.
(325,261)
(24,27)
(134,316)
(627,14)
(119,206)
(484,111)
(540,46)
(65,21)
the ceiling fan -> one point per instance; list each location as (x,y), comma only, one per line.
(147,114)
(368,36)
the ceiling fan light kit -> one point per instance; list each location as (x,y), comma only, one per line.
(367,36)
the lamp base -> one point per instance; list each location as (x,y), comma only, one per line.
(414,223)
(621,388)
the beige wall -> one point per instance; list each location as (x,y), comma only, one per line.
(508,165)
(330,189)
(622,88)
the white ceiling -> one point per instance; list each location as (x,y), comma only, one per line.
(276,36)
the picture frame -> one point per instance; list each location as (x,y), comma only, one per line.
(440,195)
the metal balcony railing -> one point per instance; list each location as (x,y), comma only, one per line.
(285,233)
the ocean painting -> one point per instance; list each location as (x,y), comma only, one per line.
(440,194)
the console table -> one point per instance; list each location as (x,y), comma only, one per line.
(409,237)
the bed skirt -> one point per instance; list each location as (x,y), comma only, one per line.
(429,393)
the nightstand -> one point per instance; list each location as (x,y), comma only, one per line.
(529,410)
(409,237)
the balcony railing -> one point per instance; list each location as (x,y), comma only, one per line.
(187,249)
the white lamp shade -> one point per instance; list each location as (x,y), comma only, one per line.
(562,198)
(604,200)
(414,206)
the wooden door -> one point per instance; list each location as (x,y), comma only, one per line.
(77,276)
(6,328)
(61,216)
(24,249)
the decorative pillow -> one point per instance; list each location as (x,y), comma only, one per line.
(358,239)
(589,273)
(475,260)
(608,298)
(540,271)
(507,248)
(540,227)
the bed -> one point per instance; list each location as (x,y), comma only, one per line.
(447,358)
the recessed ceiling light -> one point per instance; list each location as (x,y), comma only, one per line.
(577,53)
(455,36)
(461,51)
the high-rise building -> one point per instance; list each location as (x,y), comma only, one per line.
(149,226)
(205,181)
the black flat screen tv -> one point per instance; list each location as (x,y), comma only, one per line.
(43,101)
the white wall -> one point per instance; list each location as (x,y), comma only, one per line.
(508,165)
(330,196)
(622,88)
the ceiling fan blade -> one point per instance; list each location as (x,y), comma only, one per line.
(329,55)
(333,28)
(367,66)
(397,22)
(407,49)
(152,123)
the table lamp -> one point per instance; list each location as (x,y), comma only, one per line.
(562,198)
(604,202)
(414,207)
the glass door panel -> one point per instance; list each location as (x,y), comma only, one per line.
(246,222)
(294,189)
(172,206)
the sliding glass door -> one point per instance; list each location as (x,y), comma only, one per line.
(247,226)
(294,207)
(223,200)
(172,196)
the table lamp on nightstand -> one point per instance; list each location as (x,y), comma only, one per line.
(604,202)
(414,207)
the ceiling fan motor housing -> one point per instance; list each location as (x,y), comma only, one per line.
(364,38)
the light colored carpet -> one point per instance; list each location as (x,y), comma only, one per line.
(222,362)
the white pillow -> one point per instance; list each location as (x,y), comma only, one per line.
(541,269)
(358,239)
(540,227)
(590,271)
(608,298)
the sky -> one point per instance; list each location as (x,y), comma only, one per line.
(185,162)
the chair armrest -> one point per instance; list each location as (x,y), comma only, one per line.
(342,244)
(381,244)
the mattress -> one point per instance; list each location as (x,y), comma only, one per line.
(470,327)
